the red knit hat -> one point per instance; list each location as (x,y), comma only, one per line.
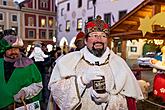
(97,25)
(80,36)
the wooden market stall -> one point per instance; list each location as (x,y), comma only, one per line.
(130,27)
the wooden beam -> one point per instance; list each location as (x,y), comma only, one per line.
(159,2)
(123,50)
(143,13)
(130,22)
(125,33)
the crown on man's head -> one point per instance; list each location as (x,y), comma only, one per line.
(97,25)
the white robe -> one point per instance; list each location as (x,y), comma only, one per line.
(66,88)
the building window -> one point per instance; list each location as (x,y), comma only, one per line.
(50,22)
(90,4)
(4,2)
(68,6)
(15,29)
(79,3)
(107,18)
(1,16)
(60,27)
(31,34)
(62,12)
(79,24)
(50,34)
(1,28)
(122,13)
(14,18)
(43,22)
(90,18)
(43,34)
(67,25)
(44,3)
(30,21)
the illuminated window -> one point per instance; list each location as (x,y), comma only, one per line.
(68,25)
(79,24)
(30,21)
(43,22)
(50,22)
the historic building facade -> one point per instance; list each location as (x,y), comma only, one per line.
(38,21)
(9,15)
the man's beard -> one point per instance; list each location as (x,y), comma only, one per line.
(12,56)
(99,51)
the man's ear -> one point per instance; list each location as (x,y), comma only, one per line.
(85,41)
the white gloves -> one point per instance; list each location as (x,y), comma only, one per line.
(99,98)
(20,95)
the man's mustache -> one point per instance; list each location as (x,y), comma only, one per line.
(98,43)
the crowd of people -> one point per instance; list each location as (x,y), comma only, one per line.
(90,77)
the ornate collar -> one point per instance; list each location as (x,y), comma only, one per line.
(97,62)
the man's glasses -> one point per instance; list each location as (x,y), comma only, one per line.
(97,36)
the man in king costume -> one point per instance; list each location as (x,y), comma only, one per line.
(94,78)
(19,77)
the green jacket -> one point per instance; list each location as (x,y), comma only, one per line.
(21,77)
